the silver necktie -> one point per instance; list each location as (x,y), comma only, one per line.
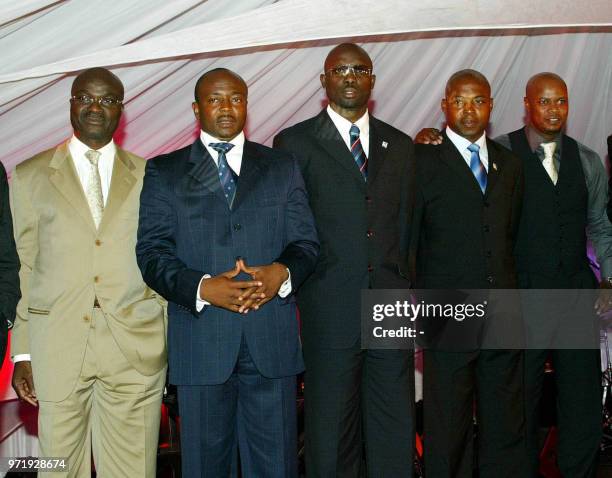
(548,162)
(94,187)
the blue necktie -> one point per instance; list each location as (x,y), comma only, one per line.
(357,151)
(227,176)
(478,169)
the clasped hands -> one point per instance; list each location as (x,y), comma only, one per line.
(243,295)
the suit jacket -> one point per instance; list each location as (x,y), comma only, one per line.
(66,264)
(187,229)
(462,239)
(363,227)
(9,264)
(609,211)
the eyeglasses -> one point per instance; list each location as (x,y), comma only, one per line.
(360,71)
(106,101)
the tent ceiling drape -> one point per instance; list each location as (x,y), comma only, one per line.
(159,48)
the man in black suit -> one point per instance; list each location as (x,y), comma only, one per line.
(565,195)
(565,200)
(9,266)
(359,175)
(610,180)
(467,205)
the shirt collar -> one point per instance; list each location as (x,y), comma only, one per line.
(535,139)
(343,125)
(462,143)
(237,141)
(78,148)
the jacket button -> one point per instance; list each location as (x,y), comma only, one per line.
(490,279)
(485,228)
(487,204)
(369,233)
(98,242)
(368,199)
(86,318)
(96,279)
(488,254)
(237,227)
(370,268)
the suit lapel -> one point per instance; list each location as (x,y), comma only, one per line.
(122,182)
(329,138)
(456,162)
(250,173)
(378,150)
(203,169)
(64,178)
(496,164)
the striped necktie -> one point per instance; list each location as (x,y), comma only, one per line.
(478,169)
(357,151)
(227,176)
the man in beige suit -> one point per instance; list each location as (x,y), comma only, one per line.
(89,337)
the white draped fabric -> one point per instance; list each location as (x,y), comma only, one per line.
(159,48)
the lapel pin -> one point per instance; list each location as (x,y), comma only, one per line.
(385,144)
(495,166)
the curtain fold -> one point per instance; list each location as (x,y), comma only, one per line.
(159,49)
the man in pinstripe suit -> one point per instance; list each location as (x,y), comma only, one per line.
(207,211)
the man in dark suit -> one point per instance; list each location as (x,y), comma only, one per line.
(565,195)
(467,205)
(9,266)
(359,175)
(610,180)
(206,211)
(565,200)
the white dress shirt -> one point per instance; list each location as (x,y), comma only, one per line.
(343,126)
(82,165)
(234,159)
(462,146)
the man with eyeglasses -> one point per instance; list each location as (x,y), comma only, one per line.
(359,175)
(89,337)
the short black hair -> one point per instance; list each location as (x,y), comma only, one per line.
(213,71)
(466,73)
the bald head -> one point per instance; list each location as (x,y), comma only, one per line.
(348,80)
(546,77)
(221,103)
(466,76)
(101,75)
(547,104)
(347,49)
(467,104)
(212,75)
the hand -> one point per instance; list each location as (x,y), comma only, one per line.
(271,276)
(23,382)
(429,136)
(222,291)
(604,301)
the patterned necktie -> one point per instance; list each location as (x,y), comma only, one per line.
(478,169)
(94,187)
(227,176)
(357,151)
(548,162)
